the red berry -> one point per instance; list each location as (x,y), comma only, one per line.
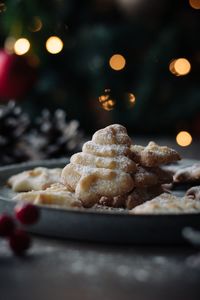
(7,225)
(19,241)
(27,214)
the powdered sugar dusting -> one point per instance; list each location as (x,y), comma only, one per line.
(103,166)
(105,150)
(167,203)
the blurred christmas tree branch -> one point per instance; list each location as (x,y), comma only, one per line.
(141,94)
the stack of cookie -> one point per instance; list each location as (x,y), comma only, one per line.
(109,171)
(103,168)
(112,172)
(42,186)
(171,204)
(148,177)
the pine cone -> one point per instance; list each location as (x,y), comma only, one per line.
(54,137)
(13,127)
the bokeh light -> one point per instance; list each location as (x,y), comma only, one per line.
(195,4)
(54,45)
(36,25)
(103,98)
(9,44)
(21,46)
(184,138)
(131,99)
(107,103)
(180,67)
(117,62)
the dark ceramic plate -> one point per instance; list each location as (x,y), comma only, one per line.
(109,226)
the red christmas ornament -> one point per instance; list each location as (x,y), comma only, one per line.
(7,225)
(27,214)
(19,241)
(17,75)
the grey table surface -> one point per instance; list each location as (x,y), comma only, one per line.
(56,269)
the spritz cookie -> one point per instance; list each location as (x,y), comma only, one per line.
(168,204)
(153,155)
(36,179)
(56,195)
(103,168)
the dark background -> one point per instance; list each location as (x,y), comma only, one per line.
(149,34)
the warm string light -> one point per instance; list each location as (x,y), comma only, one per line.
(106,102)
(131,99)
(103,98)
(108,105)
(117,62)
(180,67)
(184,138)
(54,45)
(195,4)
(21,46)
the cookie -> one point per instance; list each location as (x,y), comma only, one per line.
(153,155)
(144,177)
(55,195)
(168,204)
(124,163)
(188,174)
(91,183)
(113,134)
(132,199)
(117,201)
(36,179)
(141,195)
(194,193)
(106,150)
(103,168)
